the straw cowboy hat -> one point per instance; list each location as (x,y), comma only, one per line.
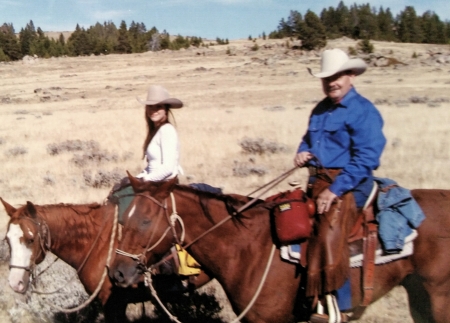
(335,60)
(156,94)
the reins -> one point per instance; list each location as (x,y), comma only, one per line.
(270,185)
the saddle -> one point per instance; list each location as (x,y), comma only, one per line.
(293,217)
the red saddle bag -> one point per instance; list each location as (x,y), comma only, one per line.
(293,214)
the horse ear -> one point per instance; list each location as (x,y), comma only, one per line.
(10,210)
(31,209)
(138,186)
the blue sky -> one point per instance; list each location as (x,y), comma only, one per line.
(227,19)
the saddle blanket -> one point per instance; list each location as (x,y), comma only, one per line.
(292,253)
(381,258)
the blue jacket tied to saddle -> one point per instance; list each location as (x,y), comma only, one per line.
(397,214)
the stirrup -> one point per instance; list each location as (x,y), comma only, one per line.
(334,314)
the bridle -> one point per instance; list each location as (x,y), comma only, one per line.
(44,243)
(171,219)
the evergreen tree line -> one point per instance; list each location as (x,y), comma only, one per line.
(363,22)
(99,39)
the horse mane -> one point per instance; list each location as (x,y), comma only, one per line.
(232,203)
(80,209)
(82,219)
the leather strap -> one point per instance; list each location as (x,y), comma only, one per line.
(370,245)
(369,248)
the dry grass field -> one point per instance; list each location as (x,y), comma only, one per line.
(71,126)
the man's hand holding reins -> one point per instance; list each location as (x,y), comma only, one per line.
(302,158)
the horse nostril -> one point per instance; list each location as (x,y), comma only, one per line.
(118,276)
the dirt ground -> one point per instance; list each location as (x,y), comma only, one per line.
(232,94)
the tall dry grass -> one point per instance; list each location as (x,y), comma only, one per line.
(263,95)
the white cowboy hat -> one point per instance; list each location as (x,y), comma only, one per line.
(336,60)
(156,94)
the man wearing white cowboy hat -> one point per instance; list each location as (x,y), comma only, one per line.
(341,147)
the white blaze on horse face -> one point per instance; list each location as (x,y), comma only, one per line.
(130,214)
(20,256)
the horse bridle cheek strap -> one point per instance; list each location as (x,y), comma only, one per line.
(171,220)
(44,243)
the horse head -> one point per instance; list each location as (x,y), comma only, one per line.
(146,228)
(26,236)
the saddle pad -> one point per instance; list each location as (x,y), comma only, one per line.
(381,258)
(124,196)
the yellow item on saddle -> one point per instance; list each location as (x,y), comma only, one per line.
(188,265)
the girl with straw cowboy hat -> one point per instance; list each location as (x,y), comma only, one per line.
(160,149)
(161,146)
(344,141)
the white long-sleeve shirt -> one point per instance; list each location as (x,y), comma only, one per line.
(162,155)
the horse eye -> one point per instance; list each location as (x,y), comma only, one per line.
(146,222)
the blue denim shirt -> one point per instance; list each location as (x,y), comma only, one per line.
(346,135)
(398,212)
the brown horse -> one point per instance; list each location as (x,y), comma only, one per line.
(237,252)
(77,234)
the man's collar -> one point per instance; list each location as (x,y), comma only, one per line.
(350,94)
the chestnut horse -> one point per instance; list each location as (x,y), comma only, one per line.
(77,234)
(236,252)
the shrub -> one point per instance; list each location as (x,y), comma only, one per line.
(242,170)
(16,151)
(352,51)
(94,156)
(72,145)
(366,46)
(260,146)
(102,178)
(21,112)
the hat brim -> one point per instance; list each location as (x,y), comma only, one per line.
(356,65)
(174,103)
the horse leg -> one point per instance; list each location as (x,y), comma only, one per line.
(418,298)
(439,299)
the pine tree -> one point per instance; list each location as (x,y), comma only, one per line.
(9,44)
(312,32)
(123,42)
(367,23)
(386,25)
(78,43)
(328,19)
(343,20)
(433,29)
(137,37)
(27,37)
(409,29)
